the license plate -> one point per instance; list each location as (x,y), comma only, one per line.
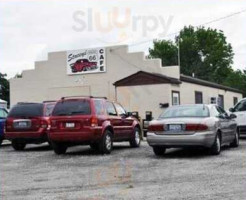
(175,127)
(70,125)
(22,124)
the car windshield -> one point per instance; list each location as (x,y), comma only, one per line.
(72,107)
(186,111)
(27,110)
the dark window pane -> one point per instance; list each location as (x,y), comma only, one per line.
(72,107)
(48,109)
(241,106)
(198,98)
(27,110)
(221,101)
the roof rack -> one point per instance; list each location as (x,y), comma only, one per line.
(28,103)
(83,97)
(49,101)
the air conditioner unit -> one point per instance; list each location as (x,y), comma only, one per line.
(213,100)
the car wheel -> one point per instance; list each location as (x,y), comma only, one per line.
(59,148)
(216,148)
(106,144)
(159,150)
(1,141)
(95,146)
(18,146)
(235,142)
(135,142)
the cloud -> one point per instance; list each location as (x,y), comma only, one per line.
(31,29)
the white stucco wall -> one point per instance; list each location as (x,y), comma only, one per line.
(187,94)
(49,79)
(144,98)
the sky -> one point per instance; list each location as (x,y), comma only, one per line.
(30,29)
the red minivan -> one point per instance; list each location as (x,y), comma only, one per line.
(28,123)
(91,121)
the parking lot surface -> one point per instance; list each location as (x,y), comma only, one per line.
(37,173)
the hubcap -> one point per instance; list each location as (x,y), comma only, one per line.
(137,137)
(108,142)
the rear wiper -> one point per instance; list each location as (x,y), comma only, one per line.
(62,114)
(77,112)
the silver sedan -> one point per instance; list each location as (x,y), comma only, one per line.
(198,125)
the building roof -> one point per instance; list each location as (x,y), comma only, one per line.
(197,81)
(146,78)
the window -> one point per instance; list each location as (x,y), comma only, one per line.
(222,111)
(119,109)
(3,113)
(241,106)
(99,107)
(198,98)
(175,98)
(49,108)
(27,110)
(221,101)
(186,111)
(111,109)
(72,107)
(235,100)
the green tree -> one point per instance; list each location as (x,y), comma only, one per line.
(204,52)
(4,87)
(237,79)
(166,50)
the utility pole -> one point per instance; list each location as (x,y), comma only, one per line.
(179,62)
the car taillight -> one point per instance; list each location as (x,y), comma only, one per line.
(53,124)
(196,127)
(94,122)
(157,127)
(44,124)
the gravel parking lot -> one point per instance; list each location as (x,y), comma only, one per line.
(37,173)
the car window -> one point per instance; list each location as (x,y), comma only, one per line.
(186,111)
(48,109)
(241,106)
(72,107)
(3,113)
(214,112)
(27,110)
(99,108)
(110,109)
(120,109)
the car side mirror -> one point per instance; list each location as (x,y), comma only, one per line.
(233,116)
(221,116)
(232,110)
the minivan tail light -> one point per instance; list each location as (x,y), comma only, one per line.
(196,127)
(94,122)
(157,127)
(44,124)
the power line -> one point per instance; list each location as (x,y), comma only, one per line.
(203,24)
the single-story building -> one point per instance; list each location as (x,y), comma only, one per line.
(138,83)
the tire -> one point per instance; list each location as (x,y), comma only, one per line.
(136,141)
(1,141)
(159,150)
(216,148)
(106,144)
(18,146)
(94,146)
(58,148)
(235,142)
